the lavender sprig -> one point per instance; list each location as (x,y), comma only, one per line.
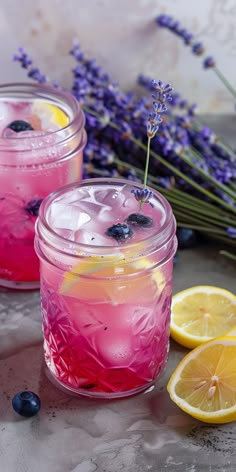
(116,140)
(161,93)
(168,22)
(33,72)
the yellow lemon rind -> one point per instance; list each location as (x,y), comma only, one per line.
(231,332)
(220,416)
(58,116)
(177,333)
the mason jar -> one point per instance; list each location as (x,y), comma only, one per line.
(106,267)
(42,137)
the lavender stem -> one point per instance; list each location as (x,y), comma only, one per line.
(226,83)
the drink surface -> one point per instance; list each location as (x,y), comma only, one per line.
(84,215)
(106,324)
(28,172)
(41,115)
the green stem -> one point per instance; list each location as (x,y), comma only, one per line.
(182,200)
(213,236)
(199,222)
(172,168)
(203,228)
(229,255)
(192,183)
(225,240)
(206,218)
(147,163)
(197,125)
(197,202)
(208,177)
(232,186)
(226,83)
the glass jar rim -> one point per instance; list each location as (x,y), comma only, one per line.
(42,91)
(155,241)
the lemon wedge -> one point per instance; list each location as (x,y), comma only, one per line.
(201,313)
(50,115)
(113,280)
(231,332)
(204,383)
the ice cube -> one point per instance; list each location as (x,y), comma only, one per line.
(77,195)
(89,204)
(71,196)
(65,233)
(84,236)
(66,216)
(130,203)
(118,198)
(109,196)
(115,347)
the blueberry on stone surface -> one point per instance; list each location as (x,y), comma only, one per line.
(26,403)
(33,205)
(20,125)
(119,231)
(187,238)
(138,219)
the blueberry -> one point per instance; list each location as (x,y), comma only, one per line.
(187,238)
(20,125)
(26,403)
(137,219)
(119,231)
(33,206)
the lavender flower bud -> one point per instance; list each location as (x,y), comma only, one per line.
(209,62)
(142,195)
(198,49)
(231,232)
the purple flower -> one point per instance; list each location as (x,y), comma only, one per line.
(115,118)
(207,134)
(164,182)
(177,100)
(23,58)
(192,109)
(198,49)
(153,123)
(161,94)
(209,62)
(142,195)
(35,74)
(231,232)
(166,21)
(76,51)
(144,81)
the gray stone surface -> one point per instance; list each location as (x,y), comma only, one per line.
(144,433)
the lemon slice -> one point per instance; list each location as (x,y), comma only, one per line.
(204,383)
(115,280)
(50,115)
(201,313)
(231,332)
(86,267)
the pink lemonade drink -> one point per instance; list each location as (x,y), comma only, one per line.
(106,284)
(41,145)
